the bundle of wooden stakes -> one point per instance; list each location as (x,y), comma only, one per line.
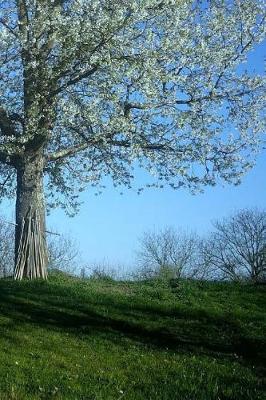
(32,256)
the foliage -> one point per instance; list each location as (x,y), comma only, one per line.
(69,338)
(99,87)
(102,272)
(103,269)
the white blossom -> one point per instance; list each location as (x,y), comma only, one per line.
(108,85)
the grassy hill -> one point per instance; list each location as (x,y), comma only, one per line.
(100,340)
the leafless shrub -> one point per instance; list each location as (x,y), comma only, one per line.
(102,270)
(168,253)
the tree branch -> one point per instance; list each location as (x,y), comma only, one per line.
(5,157)
(77,79)
(23,16)
(67,152)
(11,30)
(71,151)
(6,126)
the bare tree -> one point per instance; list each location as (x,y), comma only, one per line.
(170,251)
(237,247)
(64,254)
(7,232)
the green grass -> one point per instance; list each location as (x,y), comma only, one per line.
(100,340)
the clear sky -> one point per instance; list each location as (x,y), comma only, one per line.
(108,226)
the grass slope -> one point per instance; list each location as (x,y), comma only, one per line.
(99,340)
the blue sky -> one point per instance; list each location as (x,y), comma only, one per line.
(108,226)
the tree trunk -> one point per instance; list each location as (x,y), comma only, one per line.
(30,241)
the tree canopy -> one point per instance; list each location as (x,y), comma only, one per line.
(104,86)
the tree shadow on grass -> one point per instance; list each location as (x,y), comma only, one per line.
(182,329)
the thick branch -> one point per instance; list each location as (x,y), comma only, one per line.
(6,125)
(67,152)
(76,79)
(71,151)
(3,157)
(10,29)
(6,157)
(23,16)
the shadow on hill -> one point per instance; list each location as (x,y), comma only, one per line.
(183,329)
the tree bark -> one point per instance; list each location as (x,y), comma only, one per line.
(31,256)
